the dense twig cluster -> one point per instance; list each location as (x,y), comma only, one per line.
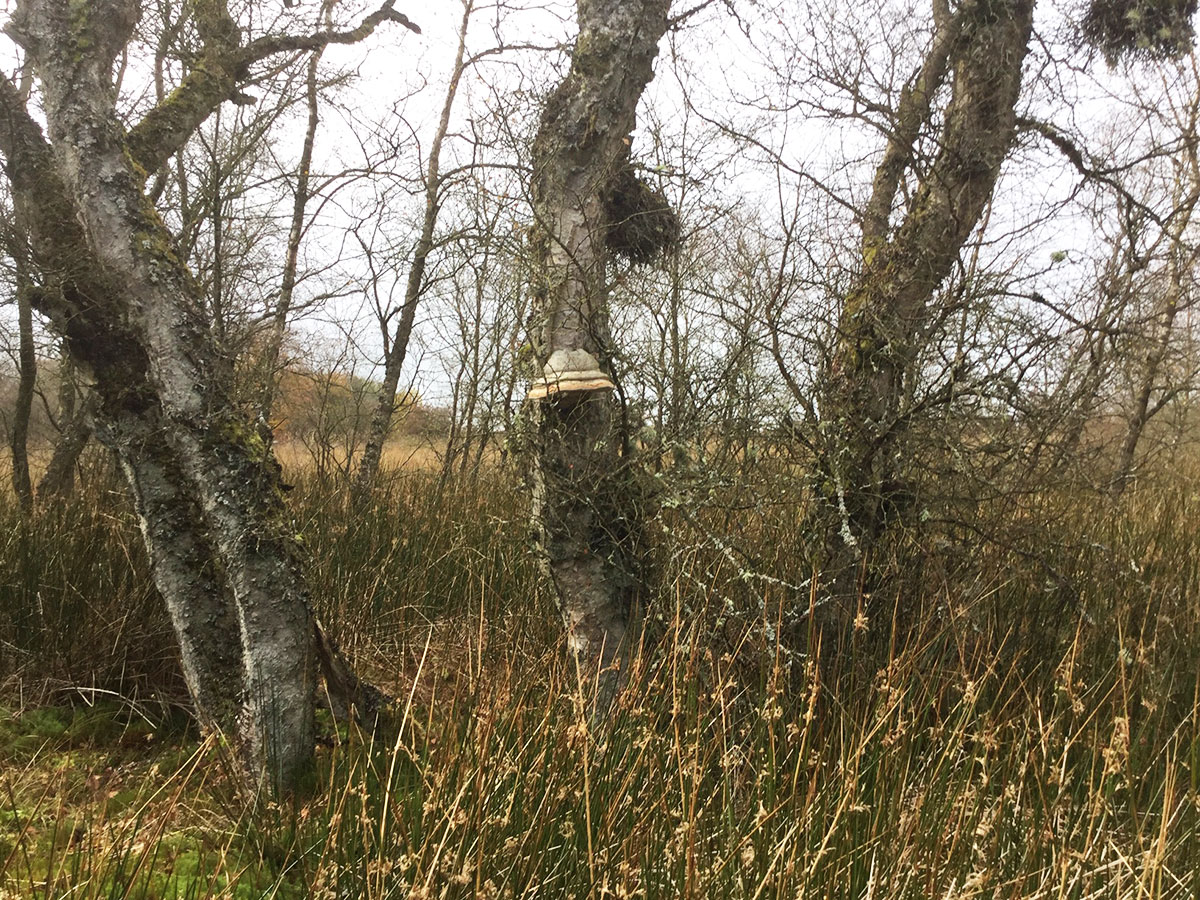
(1146,29)
(641,223)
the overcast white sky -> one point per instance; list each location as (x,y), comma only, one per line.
(729,77)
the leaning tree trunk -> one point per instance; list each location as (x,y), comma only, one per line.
(207,492)
(175,533)
(980,48)
(582,499)
(397,349)
(26,381)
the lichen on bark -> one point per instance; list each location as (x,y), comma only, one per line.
(858,479)
(586,515)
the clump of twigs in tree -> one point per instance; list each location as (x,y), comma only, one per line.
(1140,29)
(641,223)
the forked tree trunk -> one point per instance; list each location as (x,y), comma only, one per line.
(583,505)
(221,549)
(981,49)
(208,491)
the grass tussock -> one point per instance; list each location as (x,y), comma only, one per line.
(1032,732)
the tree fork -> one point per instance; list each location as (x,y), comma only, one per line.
(207,487)
(857,476)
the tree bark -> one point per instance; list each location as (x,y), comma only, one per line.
(26,381)
(183,564)
(862,421)
(584,508)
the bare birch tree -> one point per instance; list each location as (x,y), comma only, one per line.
(300,199)
(1170,289)
(207,492)
(396,350)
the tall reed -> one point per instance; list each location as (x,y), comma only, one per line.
(1033,734)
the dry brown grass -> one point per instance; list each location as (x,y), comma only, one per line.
(405,453)
(1020,745)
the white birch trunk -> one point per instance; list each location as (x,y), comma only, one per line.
(206,485)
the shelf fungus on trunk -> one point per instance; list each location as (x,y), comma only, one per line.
(567,371)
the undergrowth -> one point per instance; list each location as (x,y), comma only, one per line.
(1031,733)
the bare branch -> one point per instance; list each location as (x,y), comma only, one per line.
(222,68)
(676,21)
(912,114)
(272,44)
(1088,169)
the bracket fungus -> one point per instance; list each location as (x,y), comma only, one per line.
(567,371)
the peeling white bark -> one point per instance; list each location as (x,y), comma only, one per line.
(206,487)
